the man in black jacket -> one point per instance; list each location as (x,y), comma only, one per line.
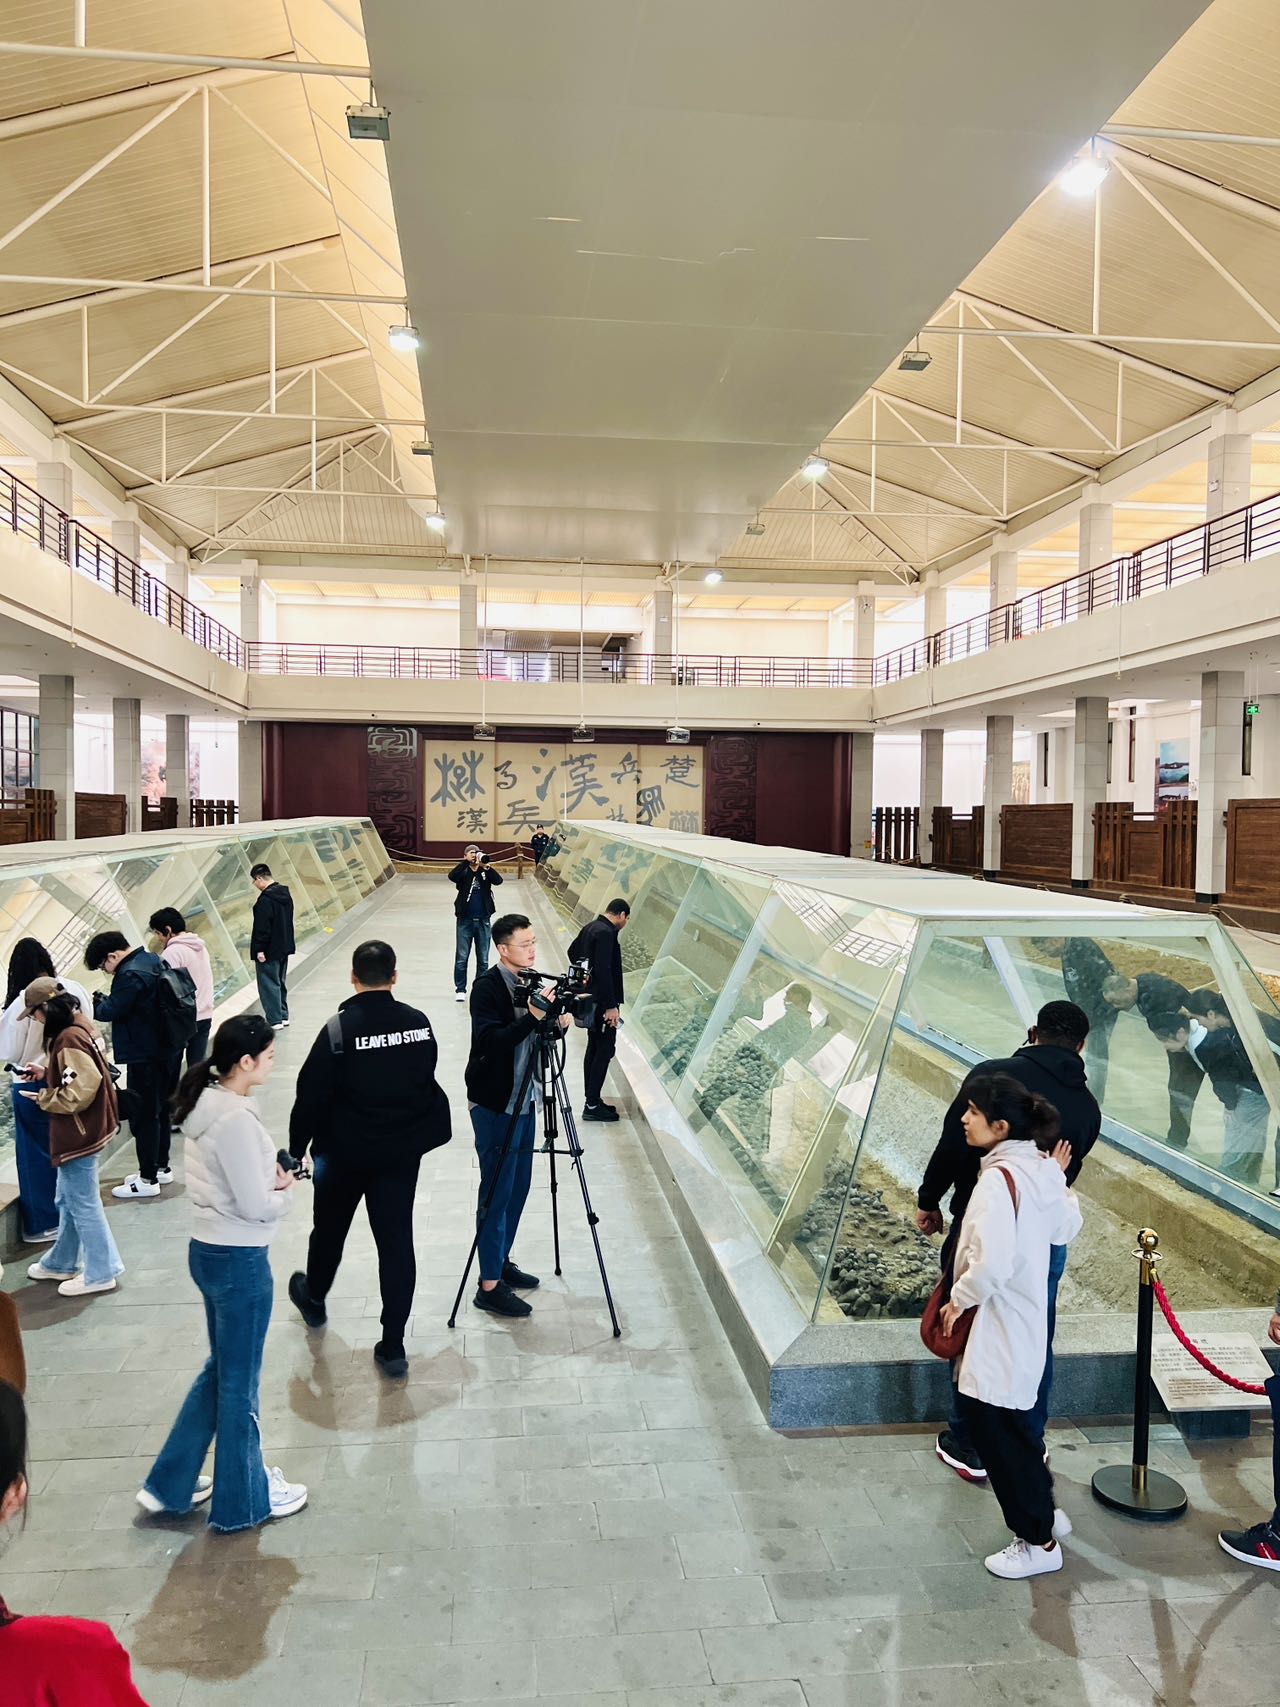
(475,880)
(1085,969)
(504,1017)
(597,944)
(1048,1064)
(1154,996)
(271,943)
(369,1106)
(132,1012)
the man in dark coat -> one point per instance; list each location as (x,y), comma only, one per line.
(597,944)
(475,880)
(271,943)
(1154,997)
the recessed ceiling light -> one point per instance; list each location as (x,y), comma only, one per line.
(436,523)
(815,468)
(403,337)
(1083,176)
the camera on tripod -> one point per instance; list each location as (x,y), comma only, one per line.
(560,992)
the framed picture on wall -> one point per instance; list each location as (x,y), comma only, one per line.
(1173,769)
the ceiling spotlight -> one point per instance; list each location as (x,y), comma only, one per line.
(484,732)
(713,577)
(368,122)
(403,337)
(436,522)
(421,447)
(914,360)
(582,734)
(1084,176)
(677,735)
(755,528)
(815,468)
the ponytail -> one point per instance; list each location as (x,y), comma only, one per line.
(999,1096)
(246,1034)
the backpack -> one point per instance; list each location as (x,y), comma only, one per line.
(175,1007)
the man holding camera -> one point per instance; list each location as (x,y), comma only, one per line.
(597,944)
(505,1014)
(474,879)
(369,1106)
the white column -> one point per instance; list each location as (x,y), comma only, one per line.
(53,481)
(864,620)
(997,788)
(252,605)
(468,626)
(1265,769)
(1221,710)
(663,604)
(931,752)
(1095,531)
(1230,485)
(1060,765)
(126,536)
(1089,783)
(56,752)
(861,792)
(126,759)
(1004,578)
(177,772)
(249,791)
(935,604)
(177,574)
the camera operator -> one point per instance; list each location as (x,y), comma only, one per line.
(505,1014)
(597,944)
(474,878)
(369,1106)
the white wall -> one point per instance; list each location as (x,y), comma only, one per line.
(327,623)
(753,634)
(896,775)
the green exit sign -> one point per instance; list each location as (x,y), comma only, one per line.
(1251,708)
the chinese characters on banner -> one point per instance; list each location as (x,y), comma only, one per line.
(458,790)
(527,782)
(600,782)
(670,793)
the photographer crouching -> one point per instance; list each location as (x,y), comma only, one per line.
(505,1014)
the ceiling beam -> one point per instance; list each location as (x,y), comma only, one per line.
(1180,178)
(214,61)
(123,101)
(58,281)
(158,405)
(1000,441)
(957,511)
(1158,133)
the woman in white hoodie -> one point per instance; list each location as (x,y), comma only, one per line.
(1020,1206)
(239,1195)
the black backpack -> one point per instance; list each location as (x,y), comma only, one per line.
(175,1007)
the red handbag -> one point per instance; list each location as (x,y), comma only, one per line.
(935,1337)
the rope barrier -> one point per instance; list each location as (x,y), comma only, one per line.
(1180,1334)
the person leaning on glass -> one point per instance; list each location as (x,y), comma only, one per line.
(239,1195)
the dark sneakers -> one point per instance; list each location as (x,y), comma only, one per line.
(310,1309)
(391,1360)
(961,1458)
(501,1301)
(514,1276)
(1257,1546)
(599,1111)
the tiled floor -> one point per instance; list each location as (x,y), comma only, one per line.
(546,1511)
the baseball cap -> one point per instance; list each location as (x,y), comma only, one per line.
(38,992)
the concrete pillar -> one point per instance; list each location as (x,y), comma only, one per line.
(931,745)
(1088,784)
(864,620)
(126,536)
(126,759)
(53,481)
(1060,765)
(1221,709)
(1095,532)
(663,605)
(56,749)
(468,626)
(1004,578)
(1230,485)
(997,789)
(177,773)
(252,602)
(177,574)
(861,792)
(935,604)
(249,790)
(1265,771)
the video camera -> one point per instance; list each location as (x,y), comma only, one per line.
(560,992)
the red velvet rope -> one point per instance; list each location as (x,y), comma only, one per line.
(1180,1333)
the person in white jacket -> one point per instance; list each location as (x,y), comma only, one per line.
(1020,1207)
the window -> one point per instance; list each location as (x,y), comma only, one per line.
(17,750)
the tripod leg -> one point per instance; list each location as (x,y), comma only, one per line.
(593,1220)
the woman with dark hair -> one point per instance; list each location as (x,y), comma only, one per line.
(21,1043)
(1020,1206)
(79,1100)
(239,1195)
(44,1660)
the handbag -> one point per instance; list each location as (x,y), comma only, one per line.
(935,1337)
(13,1362)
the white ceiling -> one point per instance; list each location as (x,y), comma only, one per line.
(656,249)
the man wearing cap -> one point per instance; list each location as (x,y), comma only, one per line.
(474,879)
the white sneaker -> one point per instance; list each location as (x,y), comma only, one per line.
(135,1186)
(1019,1559)
(282,1026)
(38,1271)
(203,1492)
(1061,1524)
(79,1287)
(40,1238)
(461,996)
(286,1497)
(164,1176)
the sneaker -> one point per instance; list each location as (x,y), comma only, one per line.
(282,1025)
(1020,1559)
(202,1494)
(501,1301)
(310,1309)
(459,995)
(599,1111)
(38,1271)
(164,1176)
(514,1276)
(1257,1546)
(1061,1524)
(135,1186)
(393,1364)
(40,1238)
(286,1497)
(962,1459)
(79,1287)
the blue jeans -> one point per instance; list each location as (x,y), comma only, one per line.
(470,930)
(273,989)
(223,1405)
(498,1228)
(84,1239)
(1038,1415)
(36,1175)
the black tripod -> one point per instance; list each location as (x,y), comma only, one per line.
(546,1060)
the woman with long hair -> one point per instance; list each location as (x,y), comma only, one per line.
(79,1100)
(43,1660)
(239,1195)
(1020,1206)
(22,1045)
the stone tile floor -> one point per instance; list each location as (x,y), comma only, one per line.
(546,1511)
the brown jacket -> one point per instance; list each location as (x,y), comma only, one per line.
(81,1097)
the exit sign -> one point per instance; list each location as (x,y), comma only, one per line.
(1251,708)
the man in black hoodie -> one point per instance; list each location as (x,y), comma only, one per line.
(271,943)
(1048,1064)
(1154,997)
(368,1104)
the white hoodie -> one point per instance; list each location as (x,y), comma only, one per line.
(1002,1265)
(231,1172)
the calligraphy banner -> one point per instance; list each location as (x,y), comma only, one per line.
(670,796)
(458,790)
(526,788)
(600,782)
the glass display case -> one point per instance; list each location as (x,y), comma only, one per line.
(812,1019)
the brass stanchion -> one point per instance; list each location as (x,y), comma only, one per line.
(1135,1488)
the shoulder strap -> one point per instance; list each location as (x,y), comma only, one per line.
(334,1029)
(1013,1190)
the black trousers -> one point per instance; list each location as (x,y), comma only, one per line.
(151,1084)
(1185,1079)
(198,1047)
(388,1195)
(602,1040)
(1013,1454)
